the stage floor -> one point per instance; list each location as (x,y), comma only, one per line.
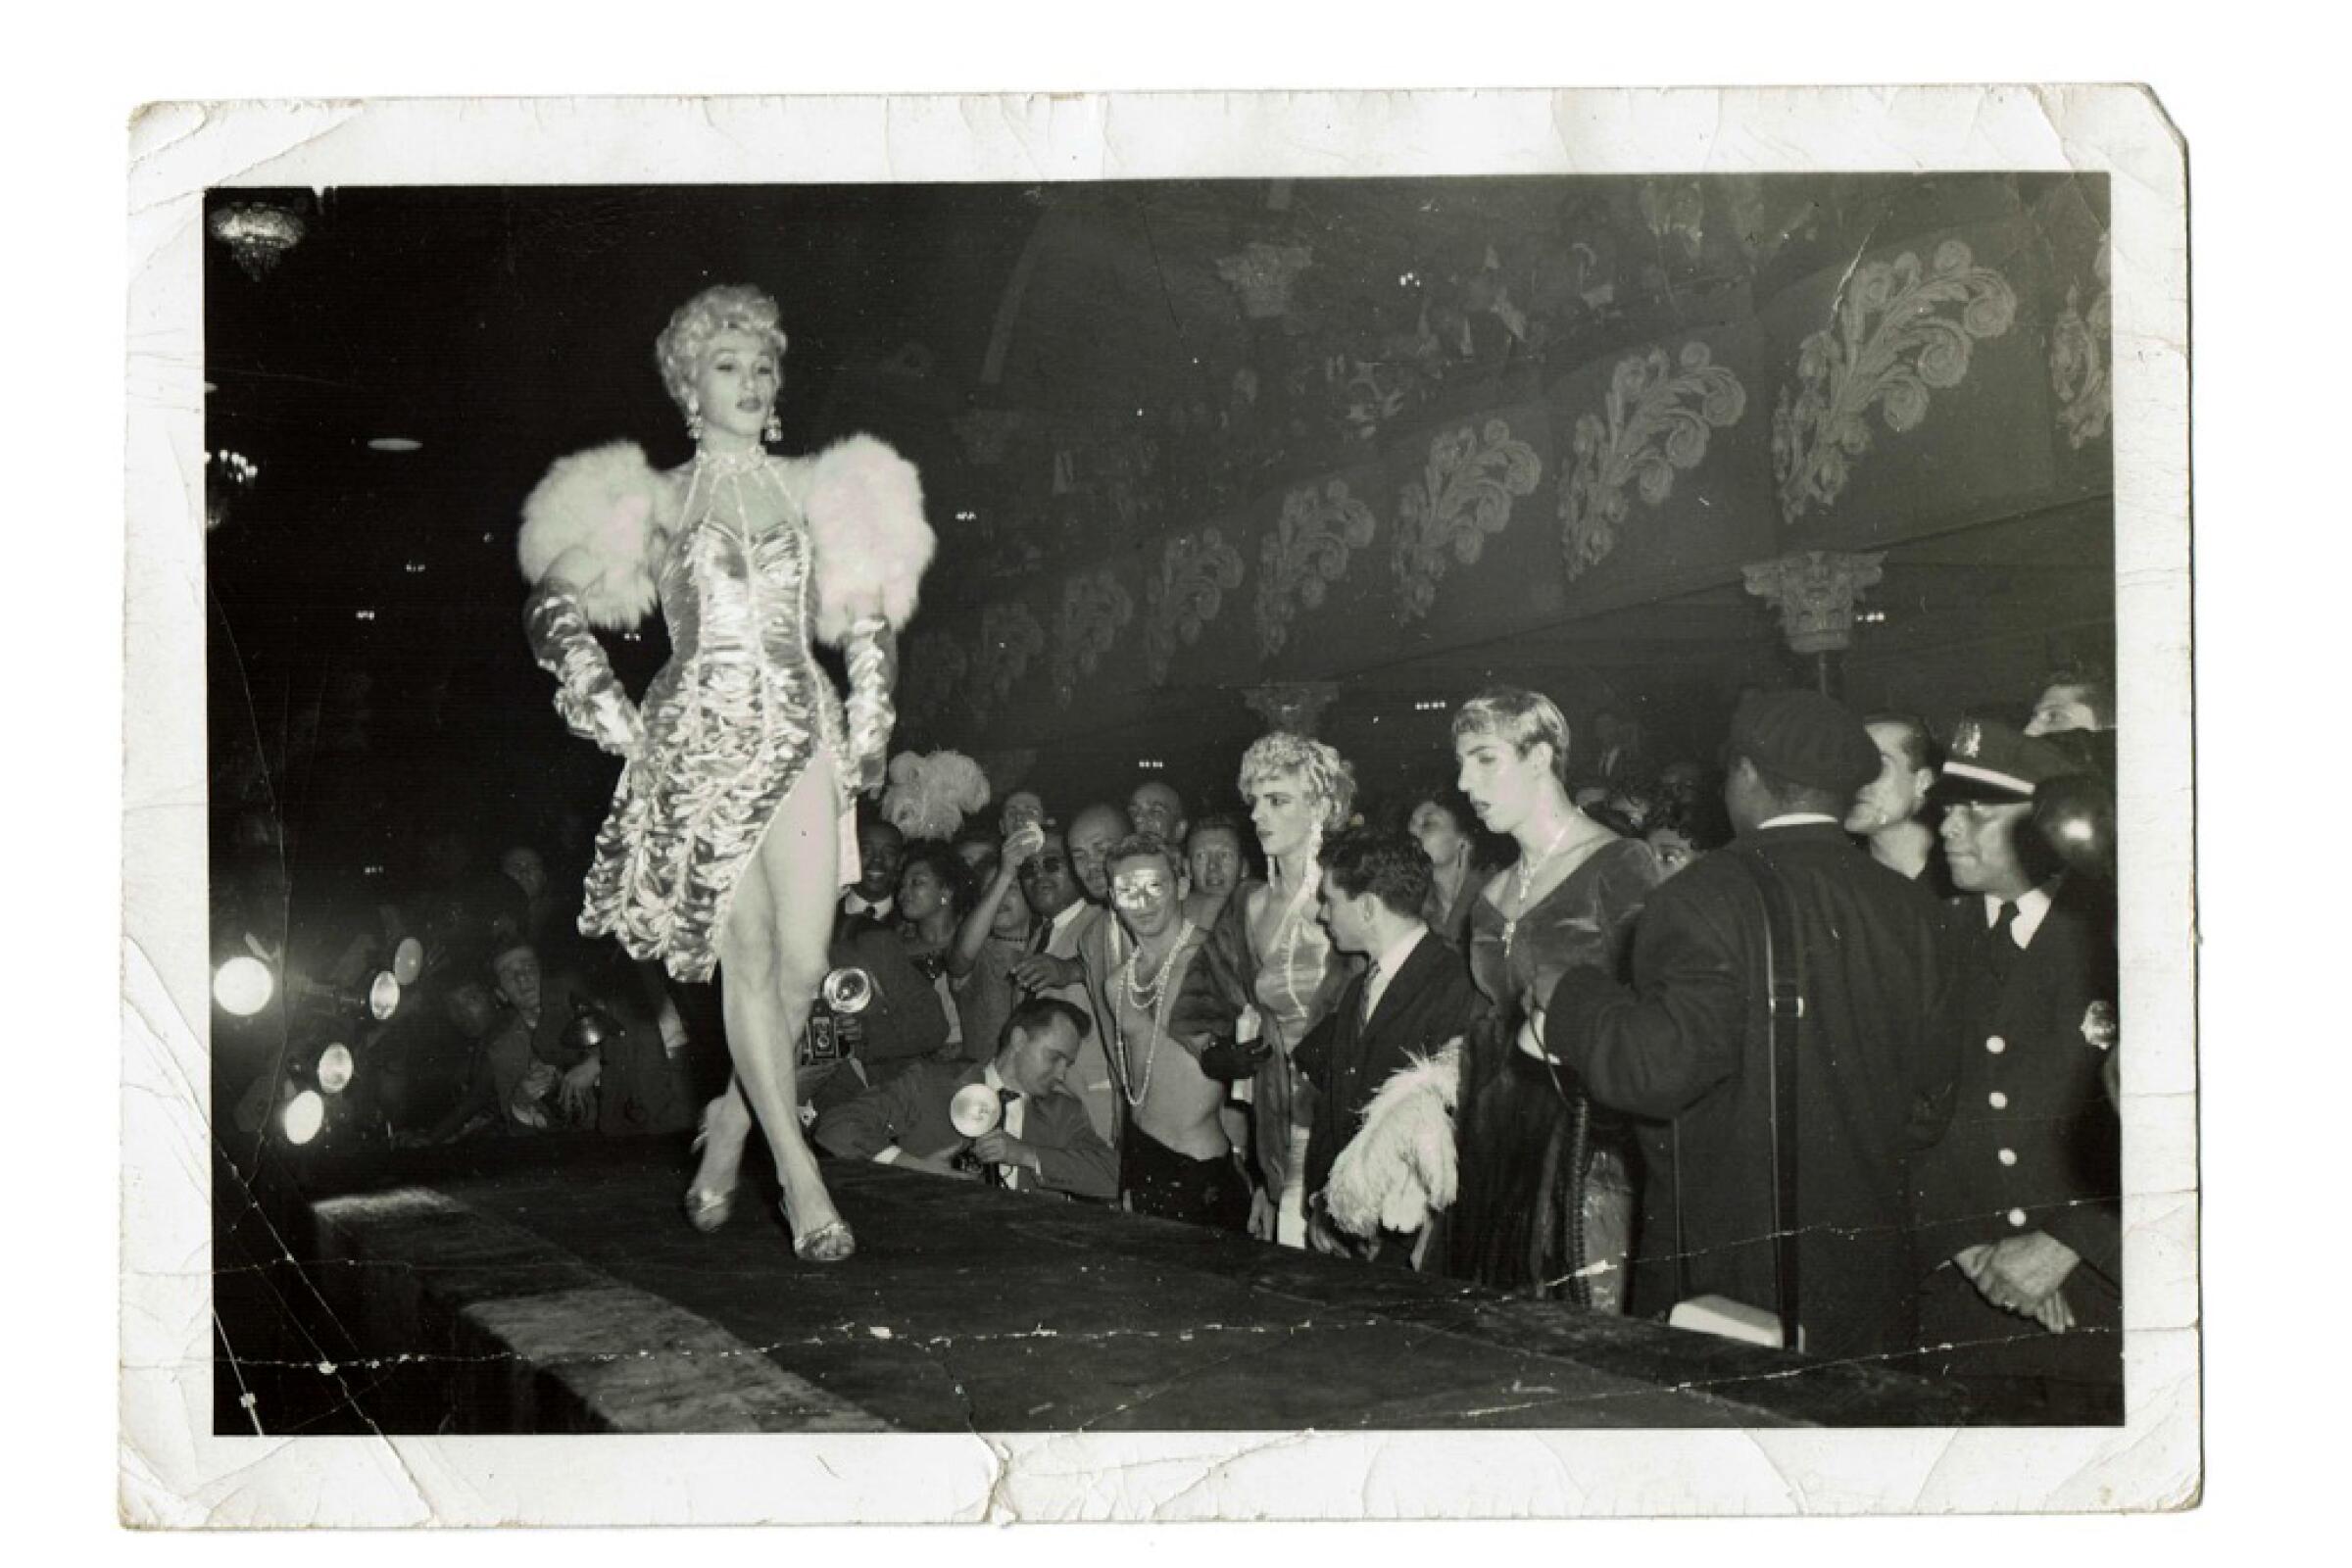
(514,1290)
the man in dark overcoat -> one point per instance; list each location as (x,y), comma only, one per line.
(1684,1049)
(2019,1202)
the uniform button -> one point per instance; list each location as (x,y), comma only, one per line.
(1995,1044)
(1997,1099)
(2017,1218)
(2008,1156)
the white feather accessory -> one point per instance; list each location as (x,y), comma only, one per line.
(1401,1167)
(929,797)
(604,504)
(866,518)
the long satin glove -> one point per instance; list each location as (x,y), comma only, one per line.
(587,693)
(872,652)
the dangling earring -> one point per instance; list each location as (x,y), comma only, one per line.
(774,431)
(694,417)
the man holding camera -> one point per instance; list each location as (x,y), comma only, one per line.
(1041,1142)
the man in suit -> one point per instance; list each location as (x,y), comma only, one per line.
(2019,1202)
(881,851)
(1044,1142)
(1685,1048)
(1414,996)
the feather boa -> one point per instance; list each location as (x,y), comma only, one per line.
(930,796)
(865,516)
(605,502)
(1401,1167)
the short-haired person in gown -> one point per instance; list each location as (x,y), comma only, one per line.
(1545,1202)
(731,830)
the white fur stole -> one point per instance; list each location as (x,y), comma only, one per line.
(866,518)
(604,504)
(1401,1165)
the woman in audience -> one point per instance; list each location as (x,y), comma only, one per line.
(1443,823)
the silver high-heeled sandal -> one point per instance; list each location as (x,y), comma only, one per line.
(827,1244)
(707,1210)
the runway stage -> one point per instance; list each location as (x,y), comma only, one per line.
(552,1286)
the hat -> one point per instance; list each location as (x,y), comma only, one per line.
(1805,738)
(1986,759)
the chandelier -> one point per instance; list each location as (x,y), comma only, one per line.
(257,235)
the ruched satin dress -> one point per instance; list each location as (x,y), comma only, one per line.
(731,724)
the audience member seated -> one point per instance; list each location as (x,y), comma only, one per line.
(1044,1142)
(1216,863)
(1891,811)
(903,1022)
(1412,999)
(881,850)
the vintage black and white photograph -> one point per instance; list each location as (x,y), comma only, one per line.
(1206,801)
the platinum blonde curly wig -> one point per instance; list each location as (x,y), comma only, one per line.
(1321,771)
(722,308)
(1520,716)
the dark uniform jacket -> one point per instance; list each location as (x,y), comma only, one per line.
(2033,1143)
(911,1111)
(1683,1048)
(1347,1058)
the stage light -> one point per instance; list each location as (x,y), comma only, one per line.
(335,1068)
(384,996)
(305,1114)
(394,443)
(243,986)
(408,960)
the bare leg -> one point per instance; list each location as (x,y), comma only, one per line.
(773,951)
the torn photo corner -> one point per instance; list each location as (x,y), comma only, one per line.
(1233,414)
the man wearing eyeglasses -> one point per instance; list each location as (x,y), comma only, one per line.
(1062,917)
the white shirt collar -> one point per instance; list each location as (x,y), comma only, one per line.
(1070,916)
(1391,957)
(1795,819)
(2032,907)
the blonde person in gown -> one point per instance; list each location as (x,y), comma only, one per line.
(731,832)
(1545,1202)
(1270,966)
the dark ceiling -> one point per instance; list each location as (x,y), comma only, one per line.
(502,328)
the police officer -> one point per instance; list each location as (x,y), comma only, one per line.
(2020,1203)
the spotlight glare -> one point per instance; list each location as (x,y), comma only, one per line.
(305,1114)
(408,960)
(384,996)
(243,986)
(335,1068)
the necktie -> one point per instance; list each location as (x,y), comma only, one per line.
(1041,936)
(2001,940)
(1001,1175)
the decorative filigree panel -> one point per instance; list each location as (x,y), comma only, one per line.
(2080,361)
(1901,330)
(1815,592)
(1462,497)
(1196,570)
(1094,607)
(1319,528)
(1261,274)
(1010,639)
(1654,422)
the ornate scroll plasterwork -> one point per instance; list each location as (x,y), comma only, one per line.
(1319,528)
(1655,421)
(1009,638)
(1902,330)
(1094,607)
(1262,274)
(1196,570)
(1461,498)
(2080,361)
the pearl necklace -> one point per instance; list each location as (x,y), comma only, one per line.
(1162,996)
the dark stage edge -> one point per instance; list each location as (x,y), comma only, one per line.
(573,1297)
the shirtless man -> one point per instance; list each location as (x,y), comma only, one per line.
(1175,1160)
